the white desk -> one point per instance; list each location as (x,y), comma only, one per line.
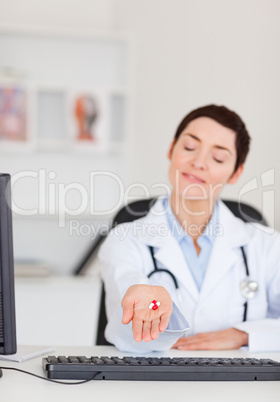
(16,386)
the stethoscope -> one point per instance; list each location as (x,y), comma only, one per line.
(248,287)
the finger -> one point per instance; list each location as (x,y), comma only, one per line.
(147,331)
(164,320)
(127,311)
(177,344)
(137,328)
(183,344)
(201,341)
(183,341)
(155,328)
(195,345)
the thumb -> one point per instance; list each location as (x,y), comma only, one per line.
(127,311)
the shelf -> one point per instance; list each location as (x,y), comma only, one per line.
(73,89)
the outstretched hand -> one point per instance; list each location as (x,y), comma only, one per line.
(146,323)
(230,338)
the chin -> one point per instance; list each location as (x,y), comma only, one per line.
(195,194)
(195,198)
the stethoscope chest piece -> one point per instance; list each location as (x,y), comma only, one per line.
(248,288)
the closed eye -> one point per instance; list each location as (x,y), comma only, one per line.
(189,149)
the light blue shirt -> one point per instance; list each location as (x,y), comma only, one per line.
(196,263)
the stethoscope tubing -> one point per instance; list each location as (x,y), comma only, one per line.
(245,305)
(156,270)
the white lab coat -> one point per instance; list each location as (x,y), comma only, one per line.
(126,260)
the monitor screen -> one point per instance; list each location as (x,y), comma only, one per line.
(7,297)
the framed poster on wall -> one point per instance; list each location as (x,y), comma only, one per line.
(15,116)
(89,117)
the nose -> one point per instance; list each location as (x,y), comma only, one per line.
(199,161)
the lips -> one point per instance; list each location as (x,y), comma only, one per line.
(193,179)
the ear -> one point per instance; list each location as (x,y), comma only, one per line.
(169,153)
(233,179)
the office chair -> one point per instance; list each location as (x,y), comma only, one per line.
(137,210)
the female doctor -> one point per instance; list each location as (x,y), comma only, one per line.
(191,254)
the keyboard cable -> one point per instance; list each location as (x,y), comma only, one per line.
(49,379)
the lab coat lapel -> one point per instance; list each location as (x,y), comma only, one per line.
(168,251)
(171,256)
(221,260)
(224,255)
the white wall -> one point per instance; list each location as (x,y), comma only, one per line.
(185,53)
(195,52)
(93,14)
(43,237)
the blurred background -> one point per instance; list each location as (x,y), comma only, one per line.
(145,64)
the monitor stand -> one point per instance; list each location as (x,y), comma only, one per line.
(1,373)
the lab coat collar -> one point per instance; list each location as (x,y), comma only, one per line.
(156,231)
(233,230)
(232,234)
(167,250)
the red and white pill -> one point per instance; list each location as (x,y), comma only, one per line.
(154,305)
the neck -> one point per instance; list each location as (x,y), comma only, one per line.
(193,215)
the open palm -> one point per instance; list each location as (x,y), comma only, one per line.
(146,323)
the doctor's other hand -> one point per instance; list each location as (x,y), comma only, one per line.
(230,338)
(146,323)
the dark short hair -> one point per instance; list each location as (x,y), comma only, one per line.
(226,118)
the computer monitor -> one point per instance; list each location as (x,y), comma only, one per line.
(7,294)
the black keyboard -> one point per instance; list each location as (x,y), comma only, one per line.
(161,369)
